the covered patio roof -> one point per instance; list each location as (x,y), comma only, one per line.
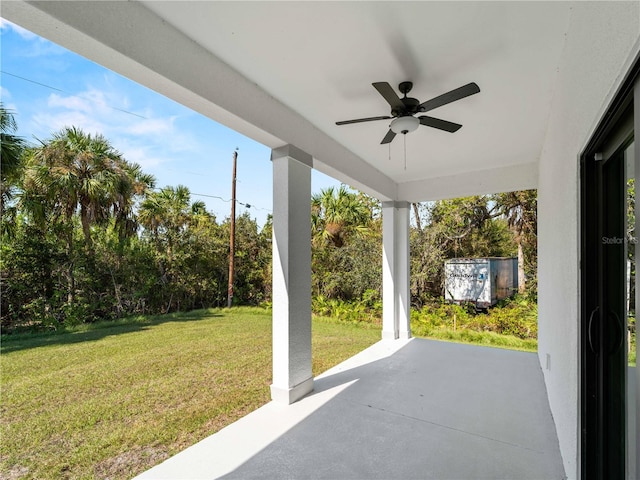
(400,409)
(285,72)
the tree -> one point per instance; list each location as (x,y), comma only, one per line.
(30,268)
(416,214)
(346,244)
(337,215)
(78,173)
(460,227)
(167,213)
(350,271)
(427,264)
(252,278)
(520,210)
(168,216)
(11,147)
(466,227)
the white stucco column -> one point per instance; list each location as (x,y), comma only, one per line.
(395,270)
(292,377)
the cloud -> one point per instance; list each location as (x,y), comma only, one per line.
(154,126)
(135,147)
(150,141)
(54,122)
(140,155)
(172,143)
(70,103)
(84,108)
(6,25)
(4,94)
(37,46)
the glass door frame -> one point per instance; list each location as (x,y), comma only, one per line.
(604,445)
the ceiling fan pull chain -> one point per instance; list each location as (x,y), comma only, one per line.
(405,151)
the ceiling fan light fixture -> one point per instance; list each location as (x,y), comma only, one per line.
(405,124)
(403,109)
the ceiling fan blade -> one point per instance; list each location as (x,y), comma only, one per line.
(359,120)
(388,137)
(452,96)
(389,95)
(440,124)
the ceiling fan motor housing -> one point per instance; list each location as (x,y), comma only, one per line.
(403,109)
(411,107)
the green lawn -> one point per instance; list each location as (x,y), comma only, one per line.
(488,339)
(111,400)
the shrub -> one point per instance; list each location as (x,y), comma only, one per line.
(366,312)
(517,317)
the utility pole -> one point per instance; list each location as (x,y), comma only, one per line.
(232,231)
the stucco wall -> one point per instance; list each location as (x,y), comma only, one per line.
(600,39)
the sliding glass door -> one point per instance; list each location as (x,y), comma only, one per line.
(603,355)
(609,246)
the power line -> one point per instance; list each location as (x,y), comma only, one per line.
(246,205)
(210,196)
(32,81)
(70,94)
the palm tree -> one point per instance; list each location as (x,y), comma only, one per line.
(520,210)
(78,173)
(11,147)
(166,216)
(169,212)
(335,215)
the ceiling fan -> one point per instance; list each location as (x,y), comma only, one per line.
(403,109)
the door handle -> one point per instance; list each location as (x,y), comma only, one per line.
(590,330)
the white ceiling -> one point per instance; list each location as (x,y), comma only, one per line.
(318,60)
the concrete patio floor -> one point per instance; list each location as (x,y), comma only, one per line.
(409,409)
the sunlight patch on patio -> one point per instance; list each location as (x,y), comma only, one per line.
(400,409)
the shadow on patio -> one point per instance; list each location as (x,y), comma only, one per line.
(400,409)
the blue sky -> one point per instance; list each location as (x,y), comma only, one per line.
(58,88)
